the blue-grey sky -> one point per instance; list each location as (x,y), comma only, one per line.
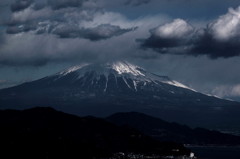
(196,42)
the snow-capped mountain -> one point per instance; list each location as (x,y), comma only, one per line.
(115,73)
(105,88)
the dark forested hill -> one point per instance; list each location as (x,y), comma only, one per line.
(44,133)
(166,131)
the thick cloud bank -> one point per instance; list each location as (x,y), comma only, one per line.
(63,18)
(38,32)
(42,31)
(168,37)
(220,38)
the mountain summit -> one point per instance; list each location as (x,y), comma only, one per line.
(113,76)
(103,89)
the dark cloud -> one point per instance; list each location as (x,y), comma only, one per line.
(19,5)
(168,36)
(40,50)
(100,32)
(136,2)
(203,44)
(47,34)
(64,18)
(58,4)
(20,28)
(103,31)
(206,44)
(221,38)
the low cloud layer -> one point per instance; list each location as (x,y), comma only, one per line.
(227,91)
(100,32)
(221,38)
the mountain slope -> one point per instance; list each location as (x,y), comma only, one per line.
(165,131)
(104,89)
(45,133)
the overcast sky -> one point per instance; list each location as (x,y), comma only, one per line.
(196,42)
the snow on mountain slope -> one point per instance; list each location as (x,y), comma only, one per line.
(119,69)
(72,69)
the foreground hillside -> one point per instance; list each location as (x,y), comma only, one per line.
(41,133)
